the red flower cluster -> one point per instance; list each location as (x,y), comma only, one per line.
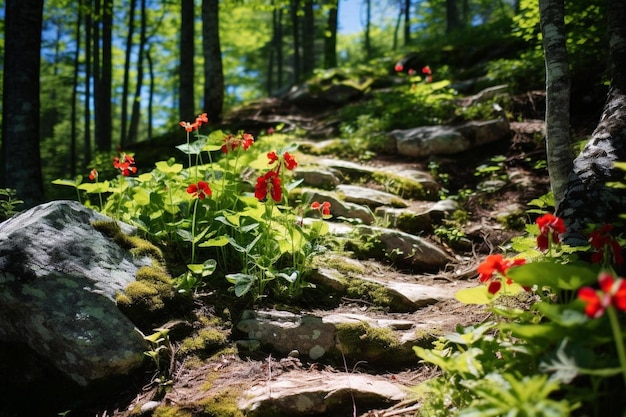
(605,245)
(324,207)
(496,264)
(612,292)
(270,182)
(125,164)
(550,229)
(428,73)
(200,190)
(245,140)
(93,174)
(189,127)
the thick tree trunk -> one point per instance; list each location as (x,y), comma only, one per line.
(104,80)
(295,33)
(588,199)
(186,102)
(88,77)
(21,161)
(73,111)
(453,22)
(308,40)
(558,144)
(126,82)
(133,128)
(407,22)
(330,40)
(213,70)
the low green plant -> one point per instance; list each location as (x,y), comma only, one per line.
(554,343)
(8,203)
(210,219)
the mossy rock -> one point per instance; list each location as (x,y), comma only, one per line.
(406,188)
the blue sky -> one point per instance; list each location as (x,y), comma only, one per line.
(350,16)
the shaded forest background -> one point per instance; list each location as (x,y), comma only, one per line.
(117,72)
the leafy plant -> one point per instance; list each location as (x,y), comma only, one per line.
(8,203)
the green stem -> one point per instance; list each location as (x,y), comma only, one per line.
(619,340)
(193,232)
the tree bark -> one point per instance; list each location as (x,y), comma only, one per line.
(330,40)
(213,70)
(73,110)
(453,22)
(407,22)
(308,40)
(558,144)
(186,102)
(126,82)
(88,77)
(21,160)
(588,199)
(295,33)
(133,128)
(104,79)
(368,28)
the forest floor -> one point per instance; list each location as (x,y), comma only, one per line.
(483,227)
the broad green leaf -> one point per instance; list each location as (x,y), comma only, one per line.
(475,295)
(193,148)
(556,276)
(95,187)
(75,183)
(166,168)
(242,283)
(141,196)
(216,241)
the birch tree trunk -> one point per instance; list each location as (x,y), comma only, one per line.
(588,199)
(558,144)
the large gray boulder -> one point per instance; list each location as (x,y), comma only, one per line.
(58,280)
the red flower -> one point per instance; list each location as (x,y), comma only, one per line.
(290,161)
(93,174)
(268,183)
(189,127)
(272,157)
(612,292)
(496,263)
(124,164)
(399,67)
(200,190)
(411,71)
(604,243)
(550,228)
(245,140)
(201,119)
(324,207)
(426,70)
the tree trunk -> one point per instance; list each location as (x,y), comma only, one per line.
(368,27)
(186,102)
(308,40)
(588,199)
(280,61)
(396,27)
(330,40)
(73,111)
(558,144)
(103,80)
(88,77)
(21,160)
(126,82)
(295,32)
(452,16)
(213,71)
(151,92)
(407,22)
(133,128)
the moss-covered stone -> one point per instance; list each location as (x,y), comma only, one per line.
(205,340)
(362,341)
(223,404)
(135,244)
(405,187)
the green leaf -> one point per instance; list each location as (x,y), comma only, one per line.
(166,168)
(94,188)
(69,183)
(193,148)
(243,283)
(216,241)
(556,276)
(475,295)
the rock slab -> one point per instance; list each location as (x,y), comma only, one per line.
(58,281)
